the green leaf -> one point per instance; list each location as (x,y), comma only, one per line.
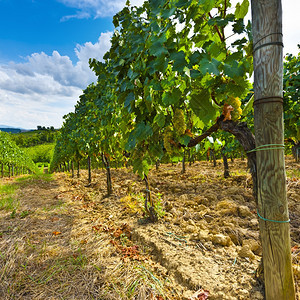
(183,3)
(171,98)
(140,166)
(203,107)
(156,86)
(195,74)
(241,9)
(156,151)
(142,131)
(219,21)
(210,67)
(195,58)
(217,144)
(156,3)
(238,26)
(217,50)
(160,119)
(185,139)
(167,13)
(207,5)
(207,145)
(160,64)
(234,69)
(130,97)
(249,105)
(197,122)
(158,49)
(179,61)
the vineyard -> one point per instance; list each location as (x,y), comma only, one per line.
(13,160)
(169,176)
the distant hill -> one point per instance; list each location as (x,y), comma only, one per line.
(11,129)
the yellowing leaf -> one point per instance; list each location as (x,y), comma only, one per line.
(56,232)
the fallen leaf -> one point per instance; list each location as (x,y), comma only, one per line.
(96,227)
(56,232)
(200,295)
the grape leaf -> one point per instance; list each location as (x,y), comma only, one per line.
(210,67)
(203,107)
(170,98)
(159,119)
(241,9)
(179,61)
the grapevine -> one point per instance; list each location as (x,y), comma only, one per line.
(12,155)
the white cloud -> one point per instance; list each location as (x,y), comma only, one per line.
(97,50)
(79,15)
(96,8)
(45,87)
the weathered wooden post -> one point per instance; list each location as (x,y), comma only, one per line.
(269,137)
(89,169)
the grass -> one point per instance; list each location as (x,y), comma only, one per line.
(8,201)
(35,177)
(294,173)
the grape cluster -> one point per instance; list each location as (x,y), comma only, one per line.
(168,137)
(179,122)
(235,102)
(172,133)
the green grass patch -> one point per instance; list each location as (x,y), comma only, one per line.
(23,178)
(7,198)
(44,177)
(294,173)
(35,177)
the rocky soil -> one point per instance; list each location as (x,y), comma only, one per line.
(68,240)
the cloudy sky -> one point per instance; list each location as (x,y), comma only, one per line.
(44,50)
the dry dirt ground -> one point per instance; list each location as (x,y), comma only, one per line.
(67,240)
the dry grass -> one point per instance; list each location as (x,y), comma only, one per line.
(58,246)
(61,241)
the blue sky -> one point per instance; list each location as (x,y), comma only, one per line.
(44,50)
(33,26)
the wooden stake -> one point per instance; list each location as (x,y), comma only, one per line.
(268,125)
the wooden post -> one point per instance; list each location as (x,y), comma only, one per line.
(72,167)
(213,157)
(225,163)
(78,169)
(183,163)
(89,169)
(157,164)
(269,134)
(105,161)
